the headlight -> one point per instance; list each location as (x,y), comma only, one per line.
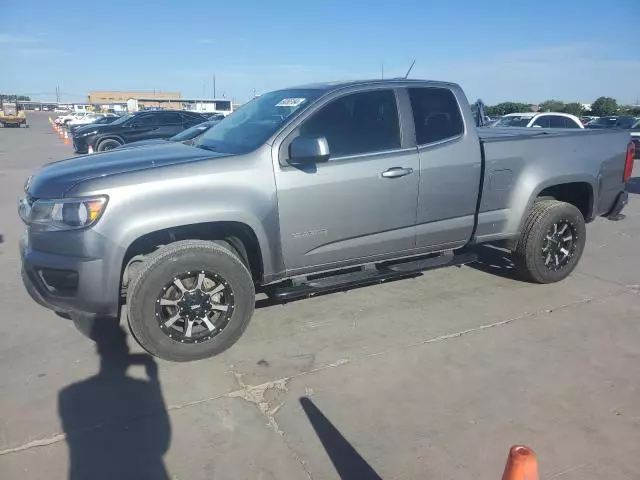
(63,214)
(89,133)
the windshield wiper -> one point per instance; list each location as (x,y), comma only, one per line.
(206,147)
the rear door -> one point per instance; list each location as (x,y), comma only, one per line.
(169,123)
(362,202)
(450,168)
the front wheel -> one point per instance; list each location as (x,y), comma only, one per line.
(190,300)
(108,144)
(552,242)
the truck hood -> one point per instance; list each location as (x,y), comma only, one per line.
(55,179)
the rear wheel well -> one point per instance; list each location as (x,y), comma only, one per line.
(238,235)
(578,194)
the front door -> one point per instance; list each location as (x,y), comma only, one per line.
(362,202)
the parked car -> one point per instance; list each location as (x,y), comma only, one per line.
(101,120)
(83,120)
(625,122)
(133,127)
(540,120)
(302,191)
(188,135)
(63,120)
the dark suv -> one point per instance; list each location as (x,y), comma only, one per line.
(133,127)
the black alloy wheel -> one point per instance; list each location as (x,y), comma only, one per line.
(195,306)
(559,245)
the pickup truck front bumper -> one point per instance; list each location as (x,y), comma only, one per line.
(66,284)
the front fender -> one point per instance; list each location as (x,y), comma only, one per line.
(237,189)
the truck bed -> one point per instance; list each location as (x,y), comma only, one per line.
(516,159)
(496,134)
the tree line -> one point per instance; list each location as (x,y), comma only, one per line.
(19,98)
(601,107)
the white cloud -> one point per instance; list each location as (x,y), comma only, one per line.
(13,39)
(206,41)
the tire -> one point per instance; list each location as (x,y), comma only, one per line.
(548,225)
(108,144)
(173,261)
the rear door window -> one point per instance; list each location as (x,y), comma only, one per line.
(436,114)
(544,121)
(570,123)
(556,121)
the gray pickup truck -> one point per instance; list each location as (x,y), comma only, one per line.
(302,191)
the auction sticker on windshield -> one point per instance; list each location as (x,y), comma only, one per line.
(290,102)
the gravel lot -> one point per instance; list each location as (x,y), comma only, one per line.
(432,377)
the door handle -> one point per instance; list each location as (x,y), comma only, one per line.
(397,172)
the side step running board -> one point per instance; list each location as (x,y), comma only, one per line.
(368,276)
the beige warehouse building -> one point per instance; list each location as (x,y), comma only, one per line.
(96,97)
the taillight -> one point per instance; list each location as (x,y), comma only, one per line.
(628,161)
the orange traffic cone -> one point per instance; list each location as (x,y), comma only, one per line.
(521,464)
(66,138)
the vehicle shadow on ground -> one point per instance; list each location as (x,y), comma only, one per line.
(346,460)
(633,185)
(494,260)
(116,426)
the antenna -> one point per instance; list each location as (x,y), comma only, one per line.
(409,71)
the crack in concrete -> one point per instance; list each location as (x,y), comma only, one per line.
(256,394)
(41,442)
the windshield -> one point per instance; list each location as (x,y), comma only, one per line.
(513,121)
(248,128)
(192,132)
(636,126)
(122,119)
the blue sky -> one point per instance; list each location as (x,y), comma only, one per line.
(496,49)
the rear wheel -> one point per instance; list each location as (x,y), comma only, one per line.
(108,144)
(552,242)
(190,300)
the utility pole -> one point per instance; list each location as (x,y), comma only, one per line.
(382,70)
(214,85)
(57,93)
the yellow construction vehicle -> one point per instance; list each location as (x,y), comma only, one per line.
(10,115)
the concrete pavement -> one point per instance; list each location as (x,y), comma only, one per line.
(432,377)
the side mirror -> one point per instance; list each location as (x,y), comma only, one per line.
(308,150)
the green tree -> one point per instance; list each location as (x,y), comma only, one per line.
(604,106)
(505,108)
(551,106)
(630,110)
(574,108)
(13,96)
